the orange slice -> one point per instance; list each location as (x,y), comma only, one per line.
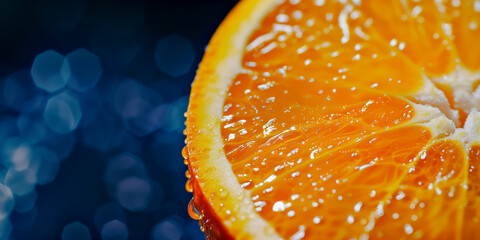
(348,119)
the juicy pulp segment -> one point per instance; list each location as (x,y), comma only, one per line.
(471,218)
(331,46)
(334,194)
(415,29)
(264,111)
(463,21)
(433,190)
(280,131)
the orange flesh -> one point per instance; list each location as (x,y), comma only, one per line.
(316,127)
(415,28)
(471,218)
(465,23)
(431,192)
(319,50)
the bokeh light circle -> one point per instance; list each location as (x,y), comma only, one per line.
(26,202)
(62,113)
(108,212)
(85,69)
(134,194)
(174,55)
(76,231)
(6,201)
(45,164)
(168,229)
(49,71)
(18,88)
(124,166)
(16,153)
(20,182)
(114,230)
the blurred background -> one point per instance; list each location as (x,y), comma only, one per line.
(92,96)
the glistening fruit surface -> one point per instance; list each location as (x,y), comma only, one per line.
(357,119)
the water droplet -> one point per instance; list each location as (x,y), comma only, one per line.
(185,152)
(291,213)
(202,225)
(408,229)
(223,194)
(350,219)
(357,207)
(271,178)
(278,206)
(300,234)
(400,195)
(188,185)
(379,212)
(192,211)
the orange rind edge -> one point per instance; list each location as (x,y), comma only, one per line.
(224,207)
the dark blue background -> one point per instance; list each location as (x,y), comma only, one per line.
(92,96)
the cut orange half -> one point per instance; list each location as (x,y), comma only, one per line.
(338,119)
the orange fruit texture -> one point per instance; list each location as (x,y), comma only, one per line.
(338,119)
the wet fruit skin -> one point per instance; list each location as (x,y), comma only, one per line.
(198,208)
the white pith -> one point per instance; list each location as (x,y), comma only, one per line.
(461,81)
(431,110)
